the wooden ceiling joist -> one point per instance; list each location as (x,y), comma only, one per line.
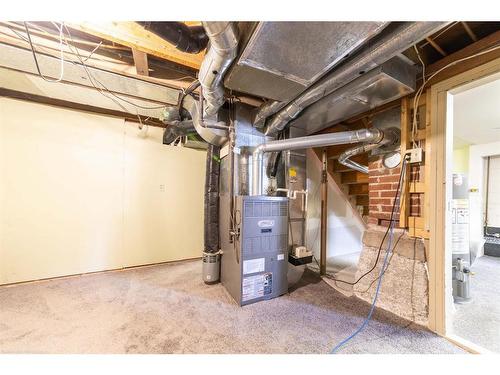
(134,36)
(141,62)
(436,46)
(469,31)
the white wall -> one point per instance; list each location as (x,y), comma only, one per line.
(82,193)
(477,154)
(345,227)
(461,159)
(494,192)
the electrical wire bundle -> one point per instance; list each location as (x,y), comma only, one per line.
(96,84)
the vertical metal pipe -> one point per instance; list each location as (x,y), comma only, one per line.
(324,212)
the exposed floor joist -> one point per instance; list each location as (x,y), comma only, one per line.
(469,31)
(135,88)
(141,62)
(133,35)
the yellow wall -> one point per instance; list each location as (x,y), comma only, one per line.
(82,193)
(461,160)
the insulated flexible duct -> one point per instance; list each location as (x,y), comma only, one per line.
(402,36)
(211,226)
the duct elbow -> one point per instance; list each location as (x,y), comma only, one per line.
(222,52)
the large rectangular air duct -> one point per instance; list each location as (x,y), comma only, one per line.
(281,59)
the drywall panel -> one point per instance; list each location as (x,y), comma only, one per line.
(82,193)
(345,227)
(163,199)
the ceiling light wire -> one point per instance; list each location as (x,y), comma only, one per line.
(61,58)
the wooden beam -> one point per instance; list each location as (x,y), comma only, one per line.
(133,35)
(404,200)
(416,187)
(436,46)
(354,177)
(141,62)
(7,93)
(427,161)
(481,45)
(359,189)
(469,31)
(324,213)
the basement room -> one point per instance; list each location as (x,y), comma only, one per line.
(302,185)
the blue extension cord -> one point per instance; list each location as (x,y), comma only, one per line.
(382,271)
(367,320)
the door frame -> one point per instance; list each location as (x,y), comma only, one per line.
(439,260)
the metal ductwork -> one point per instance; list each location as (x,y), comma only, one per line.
(387,137)
(190,39)
(394,41)
(279,60)
(300,143)
(208,127)
(176,130)
(344,158)
(223,49)
(266,110)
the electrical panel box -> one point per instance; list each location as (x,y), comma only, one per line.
(254,263)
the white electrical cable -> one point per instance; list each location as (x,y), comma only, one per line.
(414,128)
(61,53)
(427,80)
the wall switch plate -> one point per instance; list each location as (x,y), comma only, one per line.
(416,155)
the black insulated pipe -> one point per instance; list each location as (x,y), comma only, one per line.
(211,227)
(190,39)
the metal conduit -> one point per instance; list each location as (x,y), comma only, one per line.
(322,140)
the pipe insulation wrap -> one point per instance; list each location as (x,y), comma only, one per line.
(211,226)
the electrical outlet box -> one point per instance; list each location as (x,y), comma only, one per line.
(416,155)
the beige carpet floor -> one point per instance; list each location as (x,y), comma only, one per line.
(479,320)
(168,309)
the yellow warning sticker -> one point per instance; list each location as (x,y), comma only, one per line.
(292,172)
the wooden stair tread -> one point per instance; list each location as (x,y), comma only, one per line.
(354,177)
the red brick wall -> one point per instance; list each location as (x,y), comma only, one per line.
(382,187)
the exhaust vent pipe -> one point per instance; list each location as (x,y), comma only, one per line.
(402,36)
(389,136)
(300,143)
(222,52)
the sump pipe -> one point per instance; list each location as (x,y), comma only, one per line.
(300,143)
(189,39)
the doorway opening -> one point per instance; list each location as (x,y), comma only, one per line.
(472,230)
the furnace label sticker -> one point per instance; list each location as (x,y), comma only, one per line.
(254,265)
(257,286)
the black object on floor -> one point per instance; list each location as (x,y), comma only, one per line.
(492,246)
